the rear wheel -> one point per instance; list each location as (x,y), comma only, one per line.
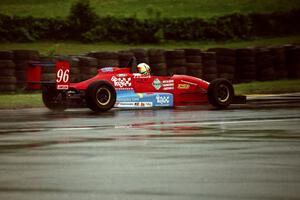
(54,99)
(220,93)
(100,96)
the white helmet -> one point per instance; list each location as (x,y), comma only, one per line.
(143,68)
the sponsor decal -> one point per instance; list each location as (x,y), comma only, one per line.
(145,104)
(107,69)
(140,95)
(168,85)
(141,76)
(157,84)
(189,82)
(62,75)
(133,104)
(128,99)
(121,82)
(183,86)
(121,75)
(162,99)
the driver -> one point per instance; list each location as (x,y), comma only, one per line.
(144,69)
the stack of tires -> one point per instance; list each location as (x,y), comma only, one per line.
(246,65)
(141,55)
(226,61)
(124,59)
(279,62)
(193,62)
(210,67)
(22,59)
(88,67)
(7,72)
(105,58)
(293,61)
(157,62)
(264,64)
(176,63)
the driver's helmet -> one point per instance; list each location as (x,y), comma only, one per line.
(143,68)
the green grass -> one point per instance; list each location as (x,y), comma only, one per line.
(268,87)
(79,48)
(14,101)
(147,8)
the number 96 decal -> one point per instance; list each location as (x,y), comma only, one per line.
(62,75)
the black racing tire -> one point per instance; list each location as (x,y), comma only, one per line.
(156,52)
(125,55)
(194,66)
(157,59)
(176,54)
(100,96)
(158,67)
(54,99)
(108,62)
(104,55)
(85,61)
(220,93)
(223,51)
(26,55)
(192,52)
(5,64)
(6,55)
(208,56)
(193,59)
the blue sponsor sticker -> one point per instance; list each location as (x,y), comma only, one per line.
(131,99)
(107,69)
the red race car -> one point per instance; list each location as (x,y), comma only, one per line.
(124,88)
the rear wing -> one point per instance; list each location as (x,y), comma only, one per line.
(61,75)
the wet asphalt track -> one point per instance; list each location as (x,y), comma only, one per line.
(244,152)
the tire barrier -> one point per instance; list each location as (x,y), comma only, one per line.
(105,59)
(293,61)
(141,55)
(264,65)
(157,62)
(237,65)
(246,65)
(22,59)
(279,62)
(193,62)
(124,58)
(226,62)
(87,67)
(176,63)
(210,67)
(7,72)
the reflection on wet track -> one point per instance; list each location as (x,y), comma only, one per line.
(238,153)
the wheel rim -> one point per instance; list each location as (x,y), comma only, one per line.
(223,93)
(103,96)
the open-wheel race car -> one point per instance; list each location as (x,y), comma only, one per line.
(125,88)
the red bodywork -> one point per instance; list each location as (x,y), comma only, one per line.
(186,90)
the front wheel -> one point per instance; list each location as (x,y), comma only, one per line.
(220,93)
(100,96)
(54,99)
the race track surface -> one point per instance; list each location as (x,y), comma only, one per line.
(244,152)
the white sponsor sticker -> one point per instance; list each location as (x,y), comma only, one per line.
(162,99)
(121,82)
